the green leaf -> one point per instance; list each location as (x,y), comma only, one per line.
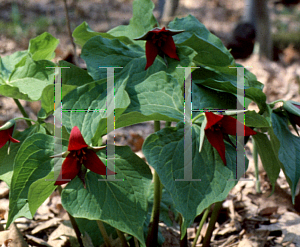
(289,151)
(102,52)
(268,157)
(253,119)
(9,63)
(141,22)
(28,80)
(39,191)
(7,161)
(83,33)
(121,204)
(43,46)
(227,83)
(93,97)
(210,48)
(206,98)
(164,150)
(32,163)
(159,97)
(71,78)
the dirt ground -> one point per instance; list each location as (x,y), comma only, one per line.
(247,218)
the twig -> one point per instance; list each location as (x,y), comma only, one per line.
(70,32)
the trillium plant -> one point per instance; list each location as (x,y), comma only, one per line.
(181,77)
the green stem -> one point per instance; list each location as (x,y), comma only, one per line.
(183,241)
(153,226)
(198,116)
(255,159)
(212,222)
(22,110)
(168,124)
(272,104)
(104,233)
(122,238)
(26,119)
(73,222)
(203,219)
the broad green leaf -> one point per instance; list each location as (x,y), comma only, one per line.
(93,97)
(210,48)
(121,204)
(32,162)
(206,98)
(7,161)
(71,78)
(289,151)
(164,151)
(43,46)
(102,52)
(253,119)
(220,82)
(141,22)
(9,63)
(268,157)
(28,81)
(83,33)
(39,191)
(159,97)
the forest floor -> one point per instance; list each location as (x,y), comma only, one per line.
(247,217)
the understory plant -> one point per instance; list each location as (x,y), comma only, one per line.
(181,75)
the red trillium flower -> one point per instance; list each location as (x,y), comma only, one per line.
(80,153)
(159,42)
(294,118)
(6,132)
(218,128)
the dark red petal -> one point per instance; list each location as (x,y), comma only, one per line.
(215,138)
(212,119)
(169,48)
(94,163)
(69,169)
(151,53)
(76,140)
(229,125)
(298,106)
(13,140)
(4,137)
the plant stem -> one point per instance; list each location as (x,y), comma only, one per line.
(104,233)
(183,241)
(122,238)
(70,32)
(168,124)
(212,222)
(198,116)
(73,222)
(22,110)
(153,226)
(255,159)
(203,219)
(26,119)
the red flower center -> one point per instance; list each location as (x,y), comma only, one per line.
(80,155)
(216,127)
(159,39)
